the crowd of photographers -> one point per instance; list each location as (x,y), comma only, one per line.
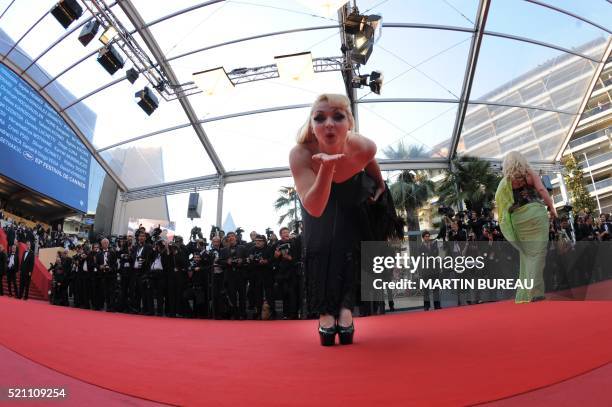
(146,274)
(38,236)
(263,278)
(577,254)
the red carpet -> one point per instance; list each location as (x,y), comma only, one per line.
(457,356)
(590,389)
(19,372)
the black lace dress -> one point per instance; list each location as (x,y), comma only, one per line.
(331,242)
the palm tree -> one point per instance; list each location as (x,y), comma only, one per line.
(403,153)
(412,188)
(287,201)
(410,192)
(472,181)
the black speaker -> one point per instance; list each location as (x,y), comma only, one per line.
(146,100)
(89,31)
(194,208)
(110,59)
(67,11)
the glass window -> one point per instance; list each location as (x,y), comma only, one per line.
(431,66)
(424,128)
(598,11)
(239,203)
(22,15)
(177,210)
(165,157)
(461,13)
(117,116)
(256,141)
(533,21)
(218,23)
(537,73)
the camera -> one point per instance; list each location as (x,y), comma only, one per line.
(214,231)
(284,248)
(255,258)
(196,232)
(269,232)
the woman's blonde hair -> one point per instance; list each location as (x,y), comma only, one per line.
(515,165)
(306,135)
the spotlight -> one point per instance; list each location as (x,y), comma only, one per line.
(360,81)
(213,81)
(89,31)
(131,75)
(366,31)
(110,59)
(67,11)
(108,35)
(295,67)
(376,81)
(147,100)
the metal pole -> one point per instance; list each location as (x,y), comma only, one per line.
(220,203)
(593,181)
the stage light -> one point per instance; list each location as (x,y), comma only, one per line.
(110,59)
(295,67)
(108,35)
(213,81)
(376,81)
(360,81)
(373,80)
(131,75)
(328,8)
(67,11)
(366,31)
(147,100)
(89,31)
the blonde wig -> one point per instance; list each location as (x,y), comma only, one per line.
(306,135)
(515,165)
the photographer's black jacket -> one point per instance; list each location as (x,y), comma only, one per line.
(281,264)
(146,254)
(111,261)
(234,252)
(255,254)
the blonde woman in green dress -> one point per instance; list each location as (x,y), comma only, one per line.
(521,201)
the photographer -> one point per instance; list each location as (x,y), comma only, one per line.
(59,283)
(140,259)
(97,280)
(154,284)
(232,259)
(11,270)
(260,275)
(106,261)
(429,247)
(124,277)
(177,267)
(194,295)
(84,270)
(285,258)
(217,290)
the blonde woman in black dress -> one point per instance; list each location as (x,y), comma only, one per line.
(328,164)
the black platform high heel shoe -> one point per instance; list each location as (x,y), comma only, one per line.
(327,335)
(345,334)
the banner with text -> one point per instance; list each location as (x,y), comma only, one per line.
(37,148)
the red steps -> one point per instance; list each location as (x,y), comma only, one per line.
(41,278)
